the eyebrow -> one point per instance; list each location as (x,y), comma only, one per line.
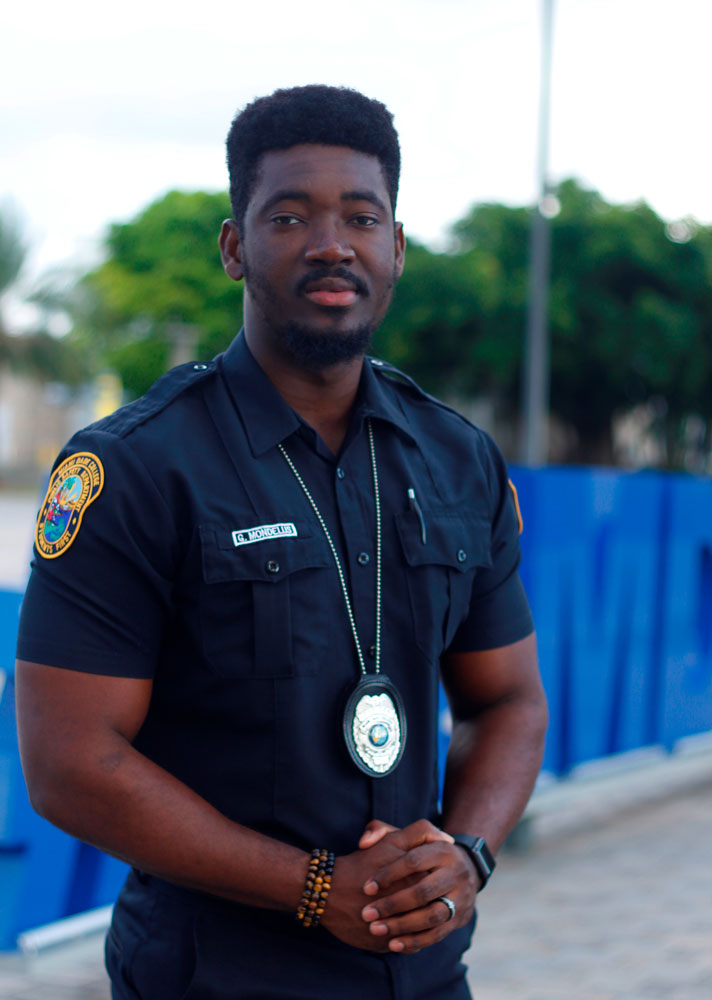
(296,194)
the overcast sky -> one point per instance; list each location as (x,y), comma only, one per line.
(104,107)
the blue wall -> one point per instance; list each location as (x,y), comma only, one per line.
(618,567)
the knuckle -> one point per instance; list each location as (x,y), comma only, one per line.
(412,860)
(422,894)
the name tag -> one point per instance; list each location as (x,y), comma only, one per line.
(263,533)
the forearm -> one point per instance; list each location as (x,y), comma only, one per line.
(112,796)
(492,764)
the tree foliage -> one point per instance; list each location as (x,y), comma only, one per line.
(162,269)
(630,307)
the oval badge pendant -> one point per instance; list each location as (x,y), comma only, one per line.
(375,725)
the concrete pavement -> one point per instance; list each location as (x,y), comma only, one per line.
(613,901)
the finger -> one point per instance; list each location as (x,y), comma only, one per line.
(418,859)
(435,914)
(415,897)
(420,832)
(375,830)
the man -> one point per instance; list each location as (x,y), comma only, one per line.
(231,640)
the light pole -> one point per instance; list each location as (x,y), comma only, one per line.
(535,396)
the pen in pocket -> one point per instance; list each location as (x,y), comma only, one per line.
(414,505)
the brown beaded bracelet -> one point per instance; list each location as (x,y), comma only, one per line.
(317,887)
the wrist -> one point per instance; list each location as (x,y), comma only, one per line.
(317,886)
(479,854)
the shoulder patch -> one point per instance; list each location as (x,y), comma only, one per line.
(73,486)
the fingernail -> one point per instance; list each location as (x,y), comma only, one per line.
(371,888)
(370,913)
(396,945)
(379,928)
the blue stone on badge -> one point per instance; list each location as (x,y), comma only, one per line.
(378,735)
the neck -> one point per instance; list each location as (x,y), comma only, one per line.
(324,399)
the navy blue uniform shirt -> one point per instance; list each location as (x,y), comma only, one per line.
(248,641)
(176,544)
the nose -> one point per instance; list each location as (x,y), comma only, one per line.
(329,245)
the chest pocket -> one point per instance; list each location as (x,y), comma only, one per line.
(440,573)
(262,612)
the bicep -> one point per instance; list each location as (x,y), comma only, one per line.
(61,712)
(478,680)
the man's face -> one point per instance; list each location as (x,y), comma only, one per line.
(319,253)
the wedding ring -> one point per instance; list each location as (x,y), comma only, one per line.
(450,905)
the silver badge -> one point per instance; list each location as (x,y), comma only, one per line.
(374,725)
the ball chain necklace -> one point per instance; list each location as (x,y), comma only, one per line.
(374,724)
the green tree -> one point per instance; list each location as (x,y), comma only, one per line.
(163,268)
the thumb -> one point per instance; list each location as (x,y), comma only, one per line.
(375,830)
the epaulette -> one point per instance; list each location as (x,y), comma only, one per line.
(379,365)
(163,391)
(396,375)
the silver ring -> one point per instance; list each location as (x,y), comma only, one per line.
(452,909)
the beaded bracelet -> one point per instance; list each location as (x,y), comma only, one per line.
(316,887)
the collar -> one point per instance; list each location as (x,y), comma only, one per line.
(268,419)
(377,398)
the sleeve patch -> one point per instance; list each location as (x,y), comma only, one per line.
(513,488)
(73,486)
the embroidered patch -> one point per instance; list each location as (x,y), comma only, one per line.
(513,488)
(263,532)
(74,485)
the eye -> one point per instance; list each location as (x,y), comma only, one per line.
(285,219)
(365,220)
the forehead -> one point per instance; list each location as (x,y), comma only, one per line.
(318,171)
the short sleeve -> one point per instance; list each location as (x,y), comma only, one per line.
(98,599)
(499,612)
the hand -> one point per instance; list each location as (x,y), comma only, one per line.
(422,832)
(407,912)
(342,915)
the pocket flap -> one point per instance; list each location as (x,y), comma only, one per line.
(453,539)
(269,559)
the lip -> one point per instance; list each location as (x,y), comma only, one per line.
(331,292)
(324,297)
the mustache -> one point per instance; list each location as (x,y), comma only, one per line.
(318,274)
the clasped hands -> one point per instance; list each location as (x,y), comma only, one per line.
(385,895)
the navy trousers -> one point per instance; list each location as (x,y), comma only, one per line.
(168,943)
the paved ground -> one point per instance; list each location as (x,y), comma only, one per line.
(610,903)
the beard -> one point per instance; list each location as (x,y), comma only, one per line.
(315,350)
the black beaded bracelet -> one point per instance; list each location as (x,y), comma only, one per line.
(317,887)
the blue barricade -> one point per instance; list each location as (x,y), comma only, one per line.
(618,568)
(44,874)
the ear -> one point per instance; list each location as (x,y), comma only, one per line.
(231,250)
(400,249)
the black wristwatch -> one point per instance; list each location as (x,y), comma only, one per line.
(479,852)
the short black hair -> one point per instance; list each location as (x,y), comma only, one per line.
(331,116)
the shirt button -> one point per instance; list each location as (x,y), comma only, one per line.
(372,651)
(340,473)
(363,558)
(461,555)
(272,566)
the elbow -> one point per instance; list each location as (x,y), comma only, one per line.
(51,783)
(44,791)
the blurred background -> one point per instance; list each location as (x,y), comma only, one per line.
(558,291)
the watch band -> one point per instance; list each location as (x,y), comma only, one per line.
(480,854)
